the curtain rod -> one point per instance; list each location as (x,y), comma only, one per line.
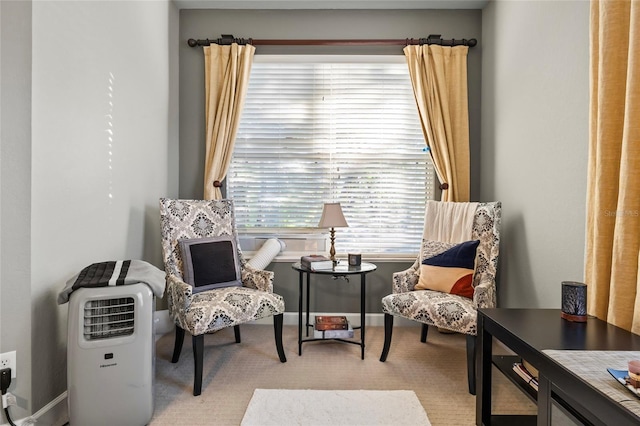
(227,39)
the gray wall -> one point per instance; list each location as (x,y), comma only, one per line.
(535,100)
(336,295)
(15,193)
(89,143)
(315,24)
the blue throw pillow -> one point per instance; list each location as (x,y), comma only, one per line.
(450,270)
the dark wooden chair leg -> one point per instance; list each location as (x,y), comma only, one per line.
(198,349)
(388,330)
(471,363)
(177,346)
(277,328)
(423,333)
(236,331)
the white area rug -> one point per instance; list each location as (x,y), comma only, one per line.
(334,407)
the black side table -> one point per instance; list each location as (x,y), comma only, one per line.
(338,271)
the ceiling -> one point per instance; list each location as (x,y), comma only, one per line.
(330,4)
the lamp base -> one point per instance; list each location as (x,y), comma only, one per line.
(332,251)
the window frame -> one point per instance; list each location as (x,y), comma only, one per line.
(250,238)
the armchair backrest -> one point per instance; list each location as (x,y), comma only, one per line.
(486,228)
(467,221)
(193,219)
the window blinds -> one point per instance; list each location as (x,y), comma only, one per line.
(332,132)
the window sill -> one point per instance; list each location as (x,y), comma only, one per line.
(290,257)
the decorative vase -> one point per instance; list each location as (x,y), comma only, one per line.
(574,301)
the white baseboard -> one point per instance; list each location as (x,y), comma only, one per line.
(291,318)
(371,320)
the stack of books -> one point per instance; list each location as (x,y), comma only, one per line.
(525,374)
(314,262)
(332,327)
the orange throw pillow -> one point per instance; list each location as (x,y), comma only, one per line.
(450,271)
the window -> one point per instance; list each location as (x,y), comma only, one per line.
(315,131)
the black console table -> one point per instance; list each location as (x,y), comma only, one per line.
(529,332)
(338,271)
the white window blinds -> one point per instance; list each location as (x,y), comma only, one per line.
(332,132)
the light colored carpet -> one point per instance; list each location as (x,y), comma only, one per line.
(305,407)
(435,371)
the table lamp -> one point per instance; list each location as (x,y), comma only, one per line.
(332,217)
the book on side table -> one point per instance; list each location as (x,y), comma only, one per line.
(334,334)
(313,262)
(331,322)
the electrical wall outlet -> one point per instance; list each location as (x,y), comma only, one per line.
(8,360)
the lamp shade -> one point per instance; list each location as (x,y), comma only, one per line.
(332,216)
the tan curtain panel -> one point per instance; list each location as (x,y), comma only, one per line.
(613,198)
(439,78)
(227,70)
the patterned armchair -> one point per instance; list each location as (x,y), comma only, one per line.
(211,310)
(443,310)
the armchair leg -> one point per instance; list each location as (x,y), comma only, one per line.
(198,349)
(236,331)
(277,328)
(471,363)
(388,329)
(177,346)
(423,333)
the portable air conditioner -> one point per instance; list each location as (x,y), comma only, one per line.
(111,355)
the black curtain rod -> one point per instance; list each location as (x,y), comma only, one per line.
(228,39)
